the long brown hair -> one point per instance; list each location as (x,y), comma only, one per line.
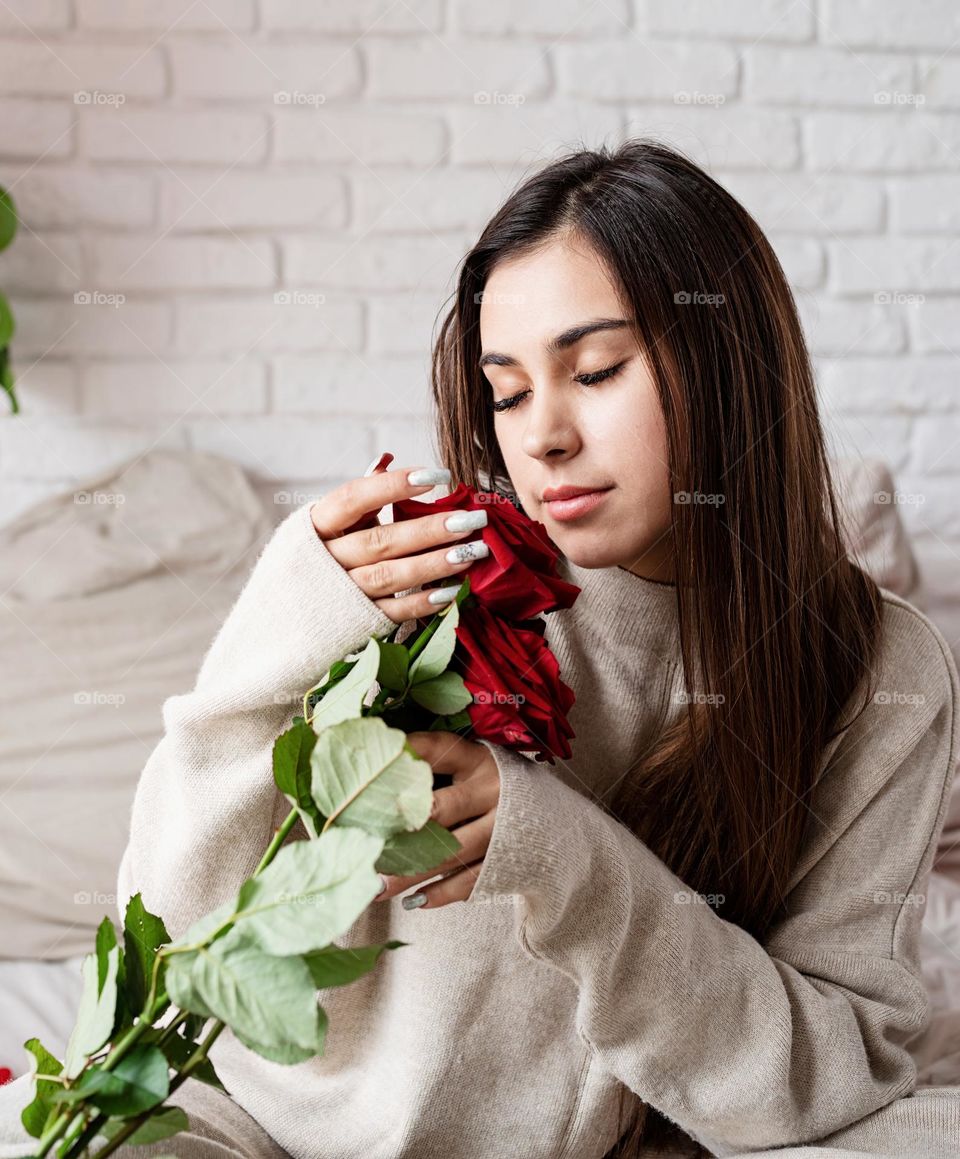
(778,626)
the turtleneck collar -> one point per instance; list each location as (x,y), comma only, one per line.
(630,599)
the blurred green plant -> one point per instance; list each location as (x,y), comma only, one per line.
(8,229)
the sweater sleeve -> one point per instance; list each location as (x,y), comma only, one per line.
(206,805)
(746,1045)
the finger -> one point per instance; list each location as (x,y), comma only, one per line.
(387,578)
(377,467)
(466,798)
(456,887)
(474,839)
(446,752)
(355,498)
(383,542)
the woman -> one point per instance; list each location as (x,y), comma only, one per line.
(700,935)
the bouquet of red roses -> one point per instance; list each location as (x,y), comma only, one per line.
(151,1008)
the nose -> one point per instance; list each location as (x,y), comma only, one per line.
(550,430)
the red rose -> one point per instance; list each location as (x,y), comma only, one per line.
(518,579)
(519,700)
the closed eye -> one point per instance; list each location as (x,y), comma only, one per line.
(590,379)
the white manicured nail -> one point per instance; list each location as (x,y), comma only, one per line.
(442,595)
(427,476)
(466,521)
(475,549)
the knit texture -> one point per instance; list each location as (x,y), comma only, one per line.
(580,962)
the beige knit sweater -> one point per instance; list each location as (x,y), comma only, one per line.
(580,962)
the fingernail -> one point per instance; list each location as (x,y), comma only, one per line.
(428,476)
(442,595)
(383,460)
(466,521)
(414,900)
(383,885)
(475,549)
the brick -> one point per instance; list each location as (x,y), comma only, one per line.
(891,386)
(801,203)
(181,262)
(410,439)
(729,137)
(404,324)
(356,384)
(79,71)
(166,15)
(37,128)
(358,17)
(884,141)
(452,69)
(380,263)
(37,15)
(287,447)
(156,136)
(633,69)
(802,261)
(148,387)
(882,265)
(199,201)
(940,83)
(43,263)
(366,137)
(871,436)
(935,326)
(821,76)
(519,136)
(65,328)
(866,24)
(767,20)
(936,445)
(63,198)
(45,387)
(246,70)
(566,19)
(59,448)
(417,201)
(925,204)
(852,328)
(219,325)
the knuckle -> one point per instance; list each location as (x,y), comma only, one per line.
(376,539)
(381,576)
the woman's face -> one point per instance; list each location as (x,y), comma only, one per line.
(564,432)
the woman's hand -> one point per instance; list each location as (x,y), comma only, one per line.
(385,558)
(467,808)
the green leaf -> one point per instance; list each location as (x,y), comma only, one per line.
(178,1050)
(408,853)
(366,775)
(7,381)
(161,1125)
(269,1003)
(98,1004)
(143,934)
(7,325)
(454,723)
(435,658)
(139,1081)
(34,1115)
(292,773)
(337,966)
(394,661)
(8,219)
(310,893)
(344,701)
(204,927)
(445,694)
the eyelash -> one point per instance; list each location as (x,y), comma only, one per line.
(591,379)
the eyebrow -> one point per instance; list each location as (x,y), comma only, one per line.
(562,341)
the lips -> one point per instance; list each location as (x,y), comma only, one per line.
(568,492)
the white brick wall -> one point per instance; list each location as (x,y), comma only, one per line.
(266,201)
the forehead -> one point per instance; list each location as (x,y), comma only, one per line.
(530,297)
